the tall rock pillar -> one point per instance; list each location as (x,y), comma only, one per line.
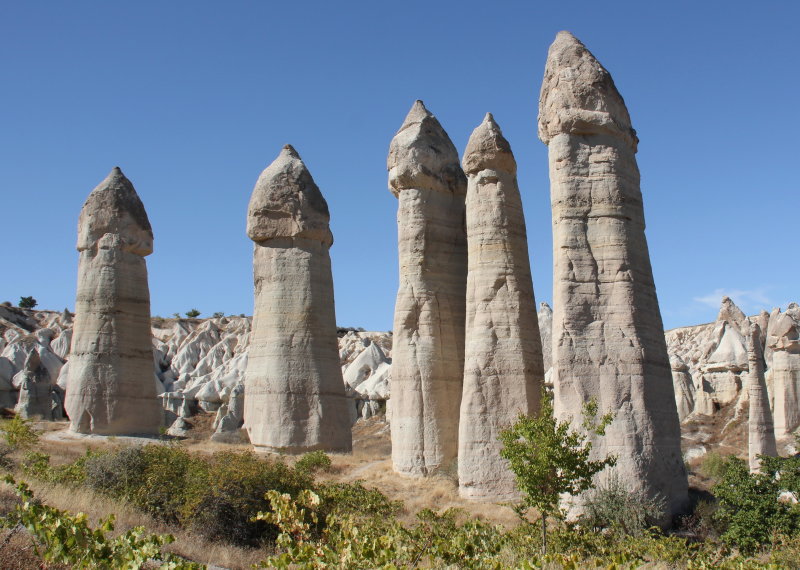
(608,337)
(294,392)
(111,388)
(783,340)
(503,371)
(428,341)
(760,427)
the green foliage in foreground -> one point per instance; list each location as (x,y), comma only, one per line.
(750,513)
(550,459)
(61,537)
(18,433)
(440,540)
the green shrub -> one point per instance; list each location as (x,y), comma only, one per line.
(749,512)
(354,498)
(18,433)
(192,313)
(313,461)
(714,465)
(613,506)
(224,494)
(27,302)
(63,538)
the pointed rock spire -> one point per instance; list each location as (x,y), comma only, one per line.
(503,350)
(760,424)
(608,338)
(294,393)
(488,148)
(422,156)
(110,387)
(578,95)
(428,346)
(286,202)
(114,207)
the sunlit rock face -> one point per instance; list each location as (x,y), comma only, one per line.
(428,344)
(294,396)
(503,370)
(783,341)
(608,340)
(760,426)
(111,388)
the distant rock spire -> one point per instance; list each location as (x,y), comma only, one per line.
(428,342)
(294,398)
(608,338)
(761,429)
(503,371)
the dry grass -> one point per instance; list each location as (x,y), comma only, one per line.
(369,462)
(187,545)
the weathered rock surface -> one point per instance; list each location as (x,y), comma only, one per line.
(608,340)
(783,340)
(294,392)
(761,430)
(503,370)
(428,361)
(111,387)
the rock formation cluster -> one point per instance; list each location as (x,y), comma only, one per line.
(111,384)
(468,353)
(503,369)
(294,392)
(428,365)
(608,341)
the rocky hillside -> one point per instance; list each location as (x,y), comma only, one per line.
(199,365)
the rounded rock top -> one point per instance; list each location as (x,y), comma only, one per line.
(287,203)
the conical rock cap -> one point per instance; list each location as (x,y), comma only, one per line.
(114,207)
(286,202)
(488,148)
(579,96)
(422,156)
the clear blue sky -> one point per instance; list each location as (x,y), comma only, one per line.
(194,99)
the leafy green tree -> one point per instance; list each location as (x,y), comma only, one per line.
(550,459)
(192,313)
(27,302)
(750,513)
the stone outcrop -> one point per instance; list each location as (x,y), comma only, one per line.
(428,354)
(503,370)
(783,340)
(111,390)
(36,397)
(761,430)
(608,340)
(294,393)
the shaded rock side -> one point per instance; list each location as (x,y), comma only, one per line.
(608,340)
(503,370)
(294,393)
(111,389)
(760,427)
(428,341)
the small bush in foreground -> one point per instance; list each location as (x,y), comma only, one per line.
(749,513)
(68,539)
(18,433)
(613,506)
(313,461)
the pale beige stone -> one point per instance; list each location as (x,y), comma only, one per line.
(111,389)
(760,427)
(428,349)
(503,371)
(783,339)
(608,339)
(294,393)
